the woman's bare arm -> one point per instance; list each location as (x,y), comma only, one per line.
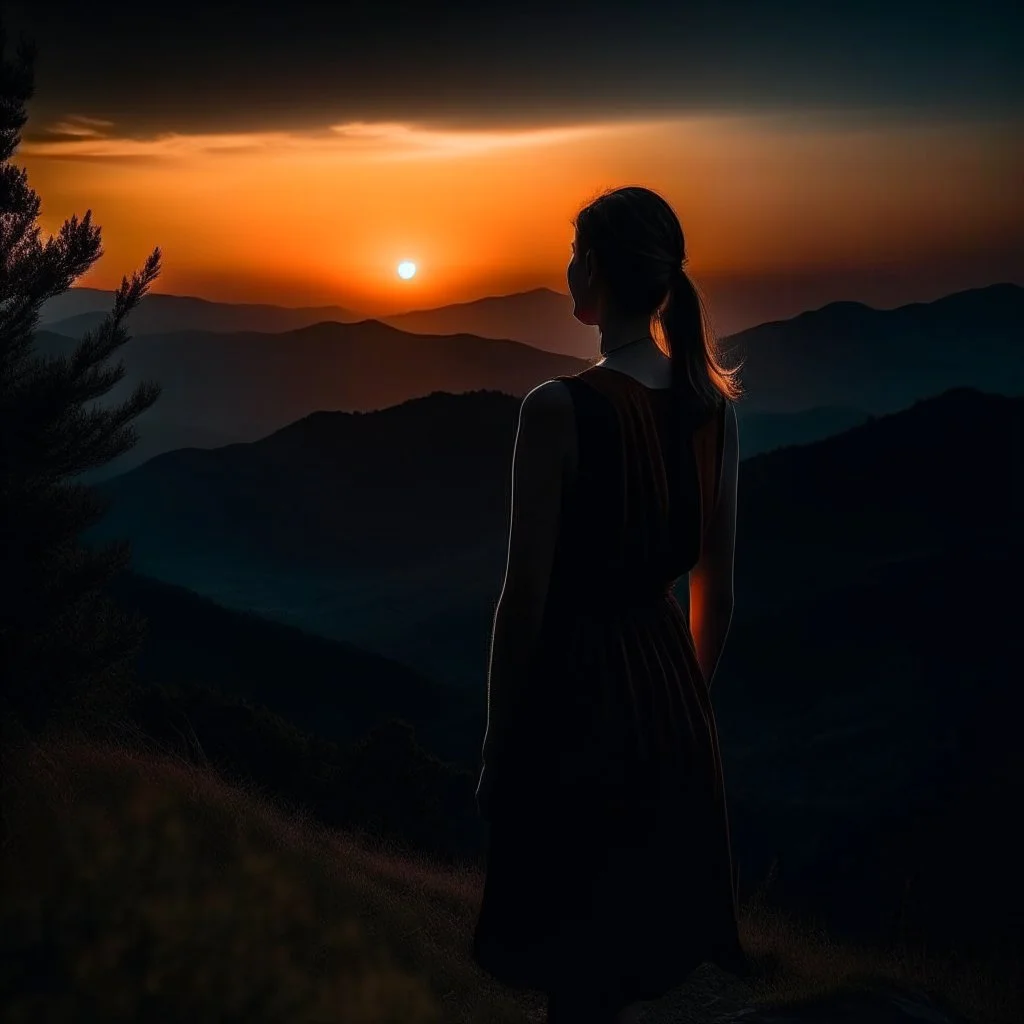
(711,579)
(543,444)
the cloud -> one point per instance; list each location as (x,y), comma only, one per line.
(398,141)
(374,141)
(98,121)
(80,126)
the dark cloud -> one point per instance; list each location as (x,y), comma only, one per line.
(233,67)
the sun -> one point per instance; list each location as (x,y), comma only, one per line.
(406,269)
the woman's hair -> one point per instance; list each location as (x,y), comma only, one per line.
(638,241)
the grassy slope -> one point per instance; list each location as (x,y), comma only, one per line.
(141,887)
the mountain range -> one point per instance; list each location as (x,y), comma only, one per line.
(541,318)
(241,386)
(827,369)
(388,529)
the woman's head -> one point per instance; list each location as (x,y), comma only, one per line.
(628,261)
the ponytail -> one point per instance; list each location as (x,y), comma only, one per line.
(696,365)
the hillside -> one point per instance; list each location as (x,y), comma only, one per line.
(386,529)
(219,388)
(172,896)
(881,360)
(867,734)
(905,485)
(335,487)
(326,687)
(184,898)
(766,431)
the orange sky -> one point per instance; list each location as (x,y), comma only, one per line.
(325,217)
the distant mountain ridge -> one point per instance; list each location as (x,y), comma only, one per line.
(849,354)
(221,388)
(81,309)
(541,318)
(225,388)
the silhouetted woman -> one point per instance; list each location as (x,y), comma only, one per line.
(609,874)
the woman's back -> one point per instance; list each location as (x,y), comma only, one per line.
(645,456)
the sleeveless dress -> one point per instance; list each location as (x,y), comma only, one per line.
(608,860)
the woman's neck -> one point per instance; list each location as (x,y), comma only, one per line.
(617,334)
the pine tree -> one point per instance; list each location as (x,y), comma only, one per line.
(64,648)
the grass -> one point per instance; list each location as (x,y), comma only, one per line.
(138,886)
(799,963)
(143,888)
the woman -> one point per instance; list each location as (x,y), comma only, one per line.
(609,874)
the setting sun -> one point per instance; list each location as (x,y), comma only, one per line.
(406,269)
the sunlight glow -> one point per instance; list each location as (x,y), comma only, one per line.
(761,197)
(406,269)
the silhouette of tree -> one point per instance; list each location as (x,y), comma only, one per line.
(63,644)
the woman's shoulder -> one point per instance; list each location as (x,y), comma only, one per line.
(564,393)
(547,407)
(548,398)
